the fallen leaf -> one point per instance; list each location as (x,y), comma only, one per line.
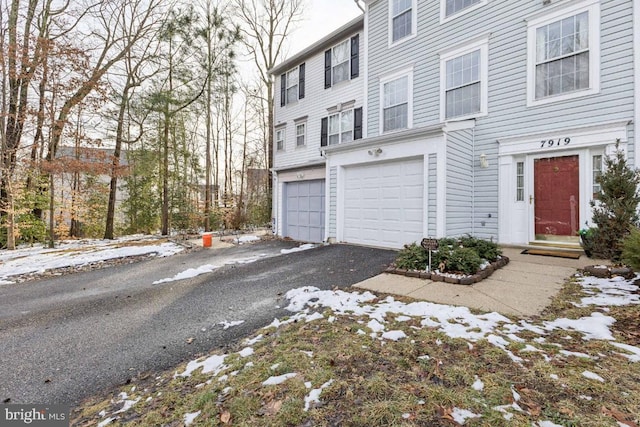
(225,417)
(619,416)
(190,340)
(272,408)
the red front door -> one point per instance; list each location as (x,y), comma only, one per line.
(557,196)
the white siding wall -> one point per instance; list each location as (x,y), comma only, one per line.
(314,105)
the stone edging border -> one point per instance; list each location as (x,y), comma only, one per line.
(464,280)
(608,271)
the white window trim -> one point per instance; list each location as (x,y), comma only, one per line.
(304,135)
(593,8)
(481,43)
(386,78)
(414,23)
(443,11)
(284,139)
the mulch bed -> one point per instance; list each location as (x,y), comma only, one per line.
(455,279)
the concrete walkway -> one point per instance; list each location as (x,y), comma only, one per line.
(524,287)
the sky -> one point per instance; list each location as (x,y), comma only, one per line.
(321,18)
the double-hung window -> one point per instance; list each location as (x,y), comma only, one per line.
(341,127)
(280,139)
(402,19)
(395,111)
(301,130)
(292,85)
(464,81)
(564,54)
(342,62)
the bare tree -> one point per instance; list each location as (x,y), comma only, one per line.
(266,24)
(137,69)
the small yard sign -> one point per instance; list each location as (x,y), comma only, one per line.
(429,245)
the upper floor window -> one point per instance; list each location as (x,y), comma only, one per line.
(464,81)
(564,54)
(341,127)
(280,139)
(451,7)
(396,101)
(292,85)
(342,62)
(301,130)
(402,19)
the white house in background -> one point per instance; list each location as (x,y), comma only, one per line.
(318,102)
(484,117)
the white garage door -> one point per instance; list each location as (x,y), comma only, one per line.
(384,203)
(304,210)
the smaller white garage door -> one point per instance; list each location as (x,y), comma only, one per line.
(304,210)
(383,203)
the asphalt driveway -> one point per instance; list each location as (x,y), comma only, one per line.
(67,338)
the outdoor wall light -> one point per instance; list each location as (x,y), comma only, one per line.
(299,175)
(484,163)
(376,152)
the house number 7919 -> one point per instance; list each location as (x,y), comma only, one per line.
(548,143)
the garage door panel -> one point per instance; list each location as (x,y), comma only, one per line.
(305,203)
(383,203)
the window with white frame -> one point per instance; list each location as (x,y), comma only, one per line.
(464,75)
(341,127)
(301,130)
(402,19)
(280,139)
(340,68)
(292,85)
(396,94)
(564,53)
(454,6)
(596,172)
(519,181)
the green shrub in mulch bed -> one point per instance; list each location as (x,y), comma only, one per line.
(463,260)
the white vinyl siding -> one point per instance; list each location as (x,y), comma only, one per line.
(564,54)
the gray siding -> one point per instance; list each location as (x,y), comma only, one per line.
(333,197)
(432,182)
(459,210)
(508,114)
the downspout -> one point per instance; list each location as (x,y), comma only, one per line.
(473,181)
(276,206)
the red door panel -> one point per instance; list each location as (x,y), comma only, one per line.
(557,195)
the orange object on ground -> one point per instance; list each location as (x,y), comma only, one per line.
(206,240)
